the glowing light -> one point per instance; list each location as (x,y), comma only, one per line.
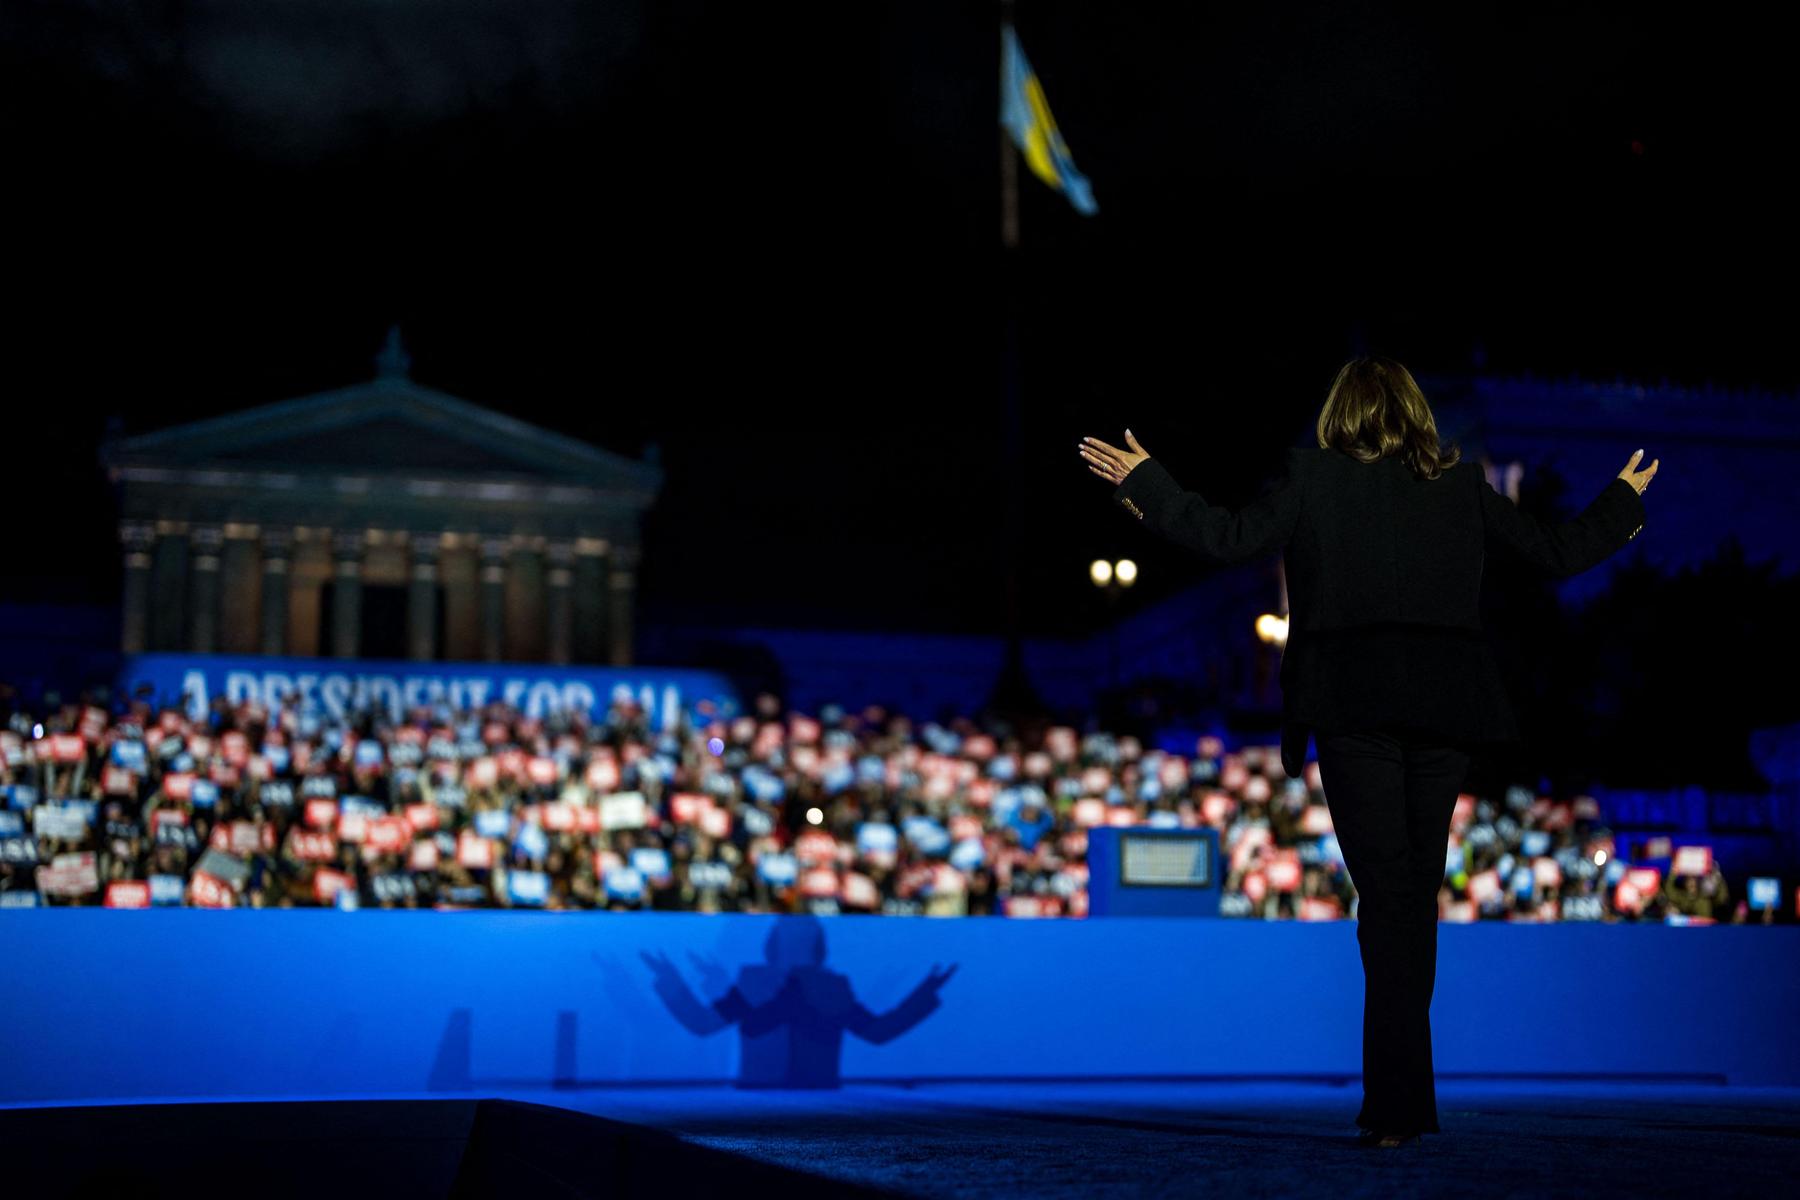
(1599,858)
(716,745)
(814,817)
(1271,628)
(37,731)
(1125,572)
(1100,571)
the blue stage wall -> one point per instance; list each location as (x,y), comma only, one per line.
(113,1005)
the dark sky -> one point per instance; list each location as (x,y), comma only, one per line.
(766,239)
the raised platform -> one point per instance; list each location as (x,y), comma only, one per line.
(1057,1140)
(118,1006)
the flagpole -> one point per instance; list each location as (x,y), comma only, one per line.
(1013,692)
(1009,160)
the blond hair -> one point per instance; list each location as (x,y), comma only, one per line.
(1375,409)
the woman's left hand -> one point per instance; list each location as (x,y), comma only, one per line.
(1109,462)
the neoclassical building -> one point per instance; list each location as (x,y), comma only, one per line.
(380,520)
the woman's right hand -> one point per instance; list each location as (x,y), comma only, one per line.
(1639,479)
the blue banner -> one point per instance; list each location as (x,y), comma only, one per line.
(333,687)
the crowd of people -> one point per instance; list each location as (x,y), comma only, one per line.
(137,804)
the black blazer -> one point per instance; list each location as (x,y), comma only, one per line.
(1384,583)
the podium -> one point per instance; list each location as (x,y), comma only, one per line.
(1145,871)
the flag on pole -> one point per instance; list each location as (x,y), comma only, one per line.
(1026,115)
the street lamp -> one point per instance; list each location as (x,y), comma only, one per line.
(1113,578)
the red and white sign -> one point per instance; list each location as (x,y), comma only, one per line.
(820,881)
(423,857)
(815,846)
(1315,819)
(859,891)
(715,822)
(1644,879)
(321,814)
(311,847)
(541,771)
(473,851)
(603,774)
(686,807)
(482,773)
(249,837)
(1545,873)
(1283,874)
(128,893)
(1320,908)
(65,747)
(422,816)
(209,891)
(117,781)
(387,835)
(353,827)
(328,883)
(70,874)
(178,785)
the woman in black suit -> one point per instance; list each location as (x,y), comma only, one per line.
(1386,665)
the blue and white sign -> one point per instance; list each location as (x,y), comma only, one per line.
(334,688)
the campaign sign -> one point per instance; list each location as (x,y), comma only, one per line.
(1692,860)
(128,893)
(653,861)
(18,851)
(311,847)
(208,891)
(709,875)
(422,857)
(335,688)
(474,851)
(624,883)
(778,870)
(527,887)
(327,884)
(1763,891)
(166,890)
(716,822)
(70,875)
(624,810)
(63,821)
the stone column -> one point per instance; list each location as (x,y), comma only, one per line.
(590,601)
(168,587)
(203,594)
(277,557)
(559,612)
(525,606)
(421,598)
(346,593)
(139,538)
(621,590)
(493,598)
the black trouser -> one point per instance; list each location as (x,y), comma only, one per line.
(1391,793)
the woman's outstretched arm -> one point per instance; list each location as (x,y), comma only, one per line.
(1145,489)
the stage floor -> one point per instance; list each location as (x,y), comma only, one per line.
(1052,1139)
(1238,1138)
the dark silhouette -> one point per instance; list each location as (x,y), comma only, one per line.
(790,1010)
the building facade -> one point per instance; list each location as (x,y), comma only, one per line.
(380,520)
